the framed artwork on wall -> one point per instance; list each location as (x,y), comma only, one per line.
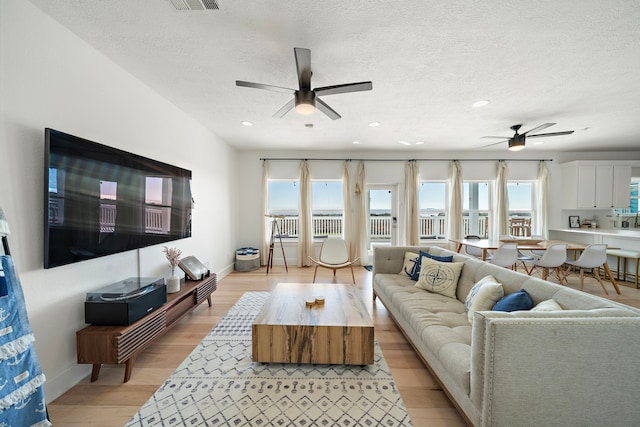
(574,221)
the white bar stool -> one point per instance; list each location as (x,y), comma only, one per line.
(625,254)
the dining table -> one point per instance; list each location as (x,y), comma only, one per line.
(486,245)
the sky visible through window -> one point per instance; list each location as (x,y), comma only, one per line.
(327,196)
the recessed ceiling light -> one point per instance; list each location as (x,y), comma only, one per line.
(246,123)
(356,142)
(480,103)
(419,142)
(404,142)
(374,124)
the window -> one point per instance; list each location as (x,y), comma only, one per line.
(520,207)
(283,201)
(433,209)
(327,208)
(326,205)
(476,200)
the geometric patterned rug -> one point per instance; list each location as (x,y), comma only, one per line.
(219,385)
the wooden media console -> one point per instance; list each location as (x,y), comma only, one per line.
(122,344)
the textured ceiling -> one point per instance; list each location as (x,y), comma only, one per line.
(572,62)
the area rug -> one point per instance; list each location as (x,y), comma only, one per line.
(219,385)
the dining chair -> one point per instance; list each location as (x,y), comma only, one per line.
(506,256)
(554,257)
(475,252)
(334,255)
(592,258)
(529,255)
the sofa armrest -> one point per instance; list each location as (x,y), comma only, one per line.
(555,370)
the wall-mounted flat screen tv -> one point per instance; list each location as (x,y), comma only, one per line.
(101,200)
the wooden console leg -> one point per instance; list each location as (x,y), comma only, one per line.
(128,368)
(95,371)
(209,300)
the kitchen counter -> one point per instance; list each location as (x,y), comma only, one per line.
(633,233)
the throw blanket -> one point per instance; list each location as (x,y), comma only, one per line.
(21,395)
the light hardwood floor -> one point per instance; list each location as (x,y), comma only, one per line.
(108,402)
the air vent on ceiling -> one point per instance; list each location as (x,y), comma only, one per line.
(195,4)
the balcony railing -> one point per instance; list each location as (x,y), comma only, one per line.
(431,227)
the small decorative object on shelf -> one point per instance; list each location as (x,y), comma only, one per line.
(574,222)
(173,256)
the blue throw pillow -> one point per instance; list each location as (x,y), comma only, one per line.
(516,301)
(415,271)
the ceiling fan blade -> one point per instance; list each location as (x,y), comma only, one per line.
(303,64)
(544,126)
(265,87)
(330,112)
(506,138)
(344,88)
(285,109)
(541,135)
(495,143)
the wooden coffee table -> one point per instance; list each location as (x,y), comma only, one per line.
(338,332)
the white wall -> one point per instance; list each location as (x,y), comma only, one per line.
(50,78)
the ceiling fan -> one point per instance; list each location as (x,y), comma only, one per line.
(517,141)
(305,100)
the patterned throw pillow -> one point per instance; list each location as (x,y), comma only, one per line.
(439,277)
(483,296)
(410,264)
(413,271)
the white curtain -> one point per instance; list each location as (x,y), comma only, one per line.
(542,200)
(411,203)
(305,232)
(347,217)
(362,218)
(266,225)
(456,190)
(501,205)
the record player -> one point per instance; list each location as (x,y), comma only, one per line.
(125,302)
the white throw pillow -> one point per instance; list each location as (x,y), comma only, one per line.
(483,296)
(439,277)
(547,305)
(410,261)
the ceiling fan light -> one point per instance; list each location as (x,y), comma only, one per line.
(305,102)
(516,144)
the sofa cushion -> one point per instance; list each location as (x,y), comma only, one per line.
(483,296)
(547,305)
(513,302)
(439,277)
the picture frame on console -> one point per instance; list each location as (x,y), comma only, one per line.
(193,268)
(574,221)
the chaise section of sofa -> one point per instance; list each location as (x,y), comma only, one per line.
(574,367)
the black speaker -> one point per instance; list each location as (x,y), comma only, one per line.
(125,302)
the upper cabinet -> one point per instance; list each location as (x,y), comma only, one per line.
(595,184)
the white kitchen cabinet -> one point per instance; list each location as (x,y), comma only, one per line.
(593,184)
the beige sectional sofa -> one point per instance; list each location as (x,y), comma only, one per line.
(576,367)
